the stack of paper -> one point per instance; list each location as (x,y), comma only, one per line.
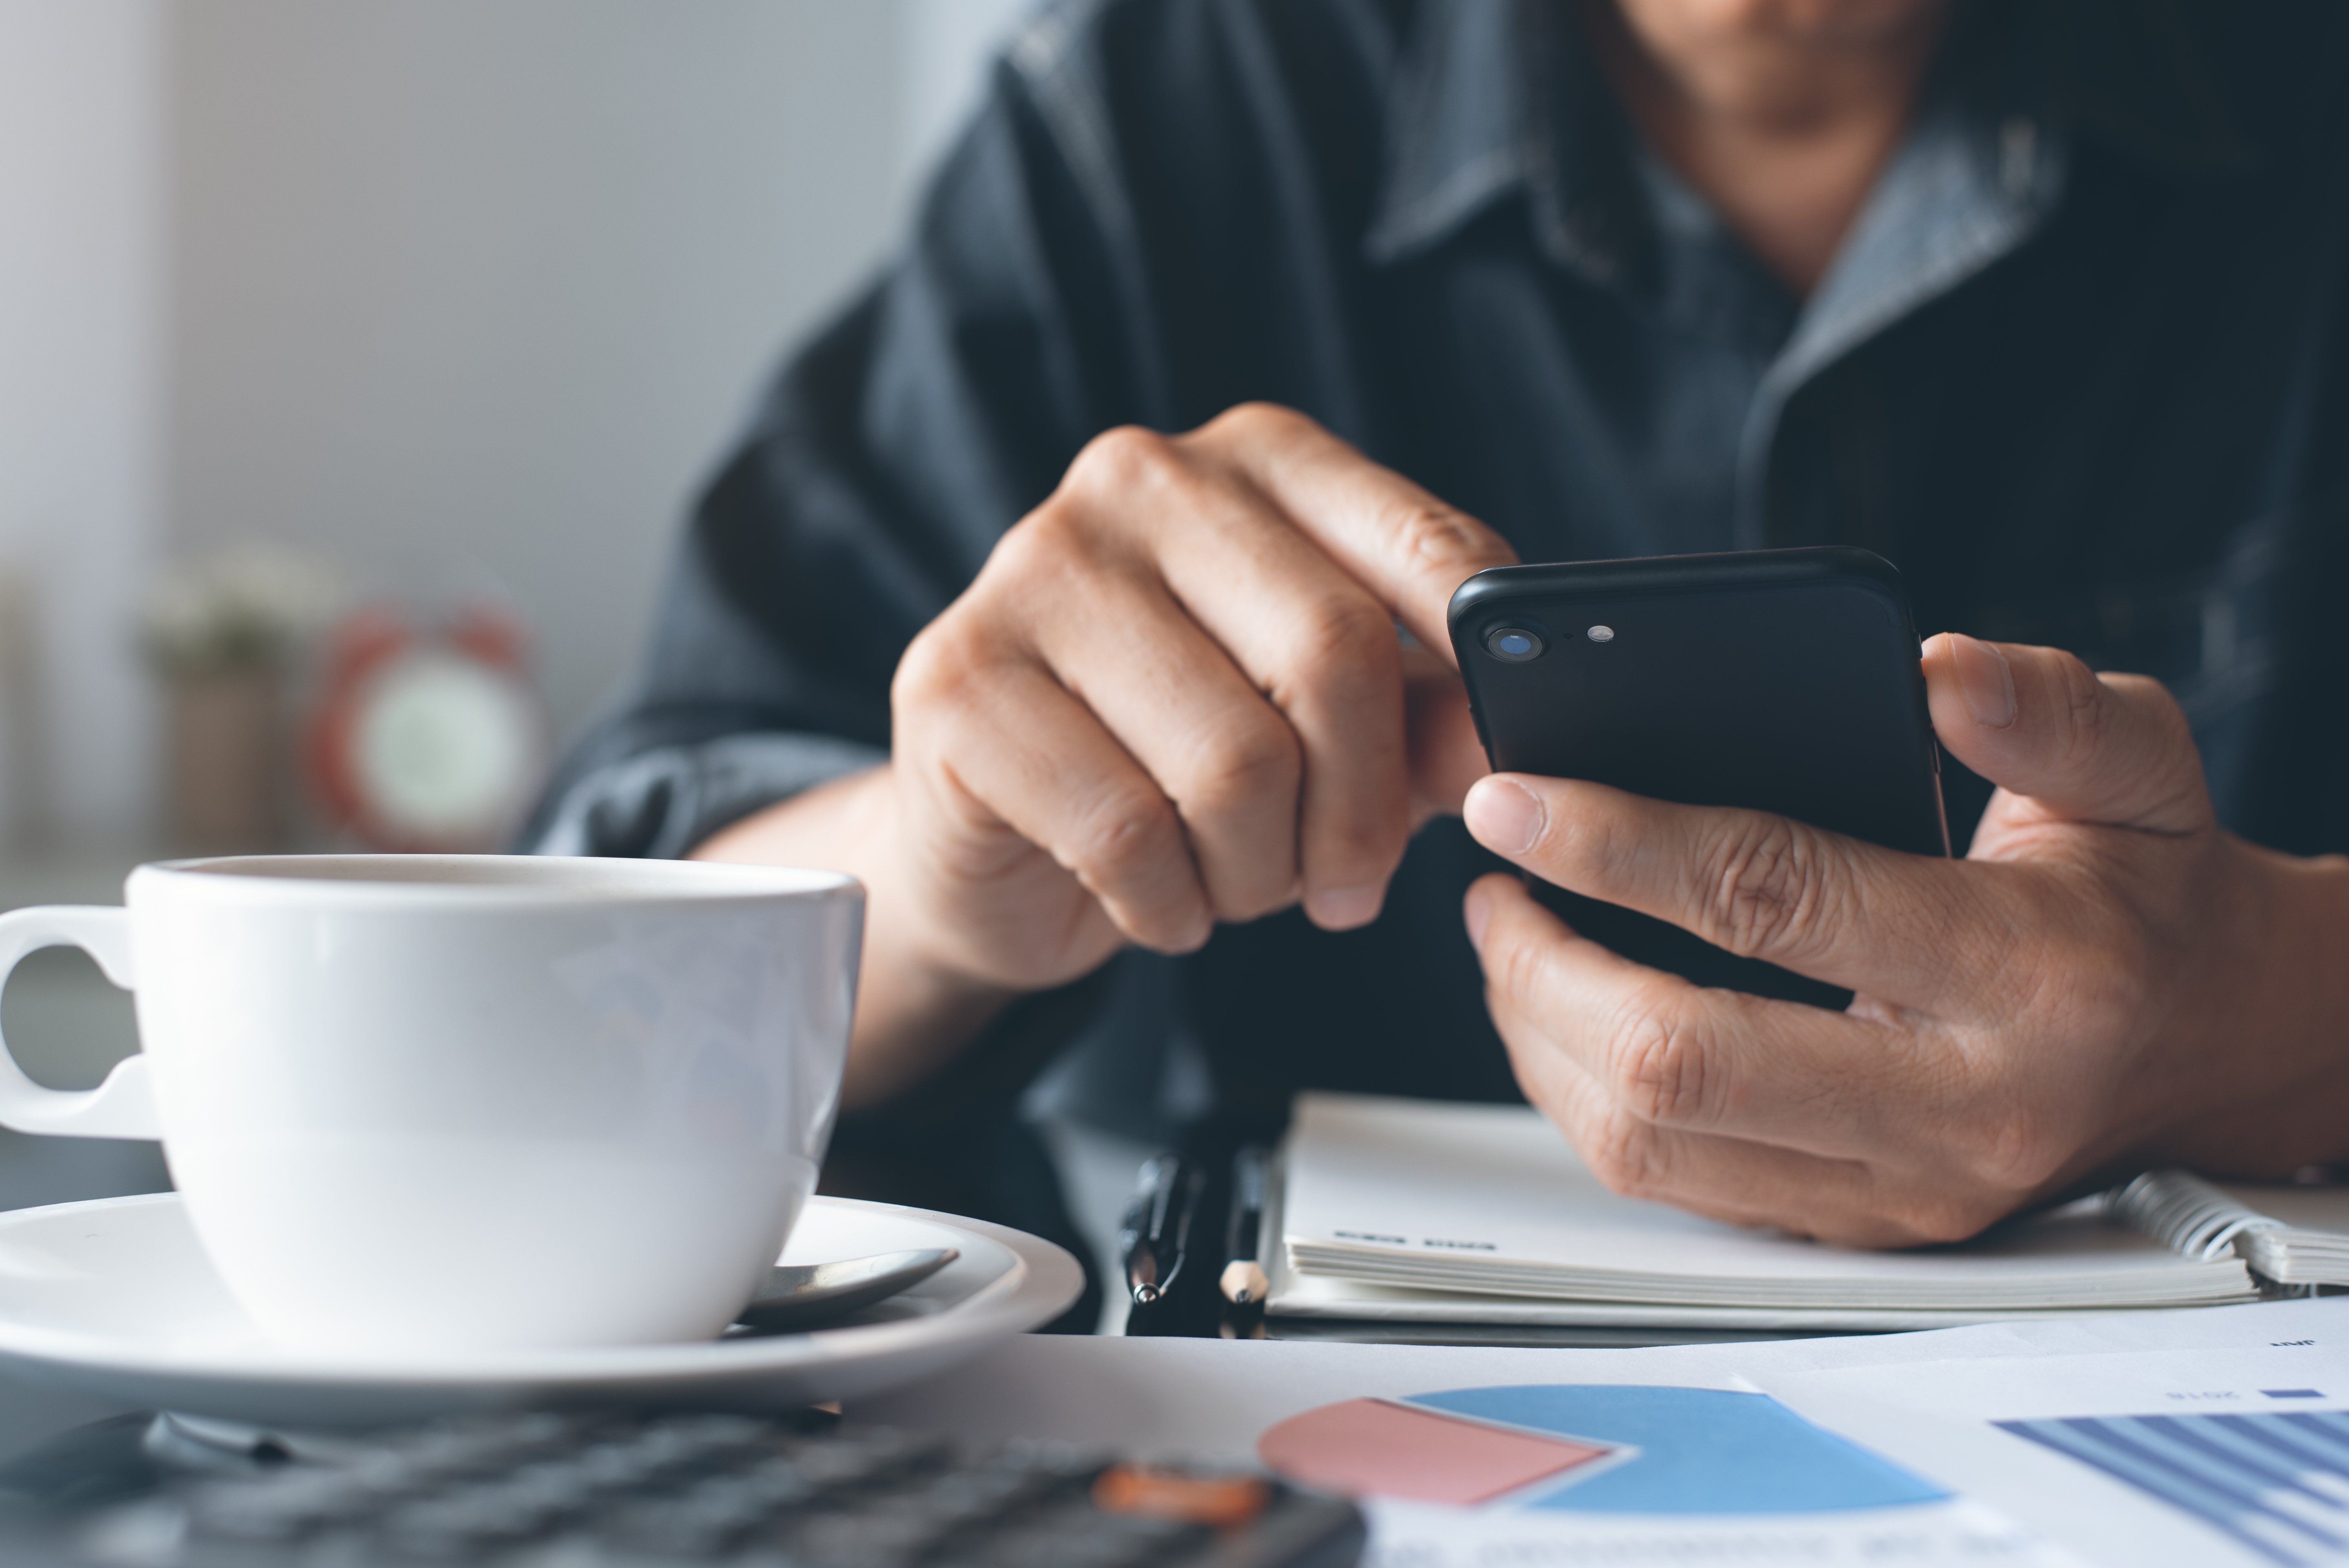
(1433,1212)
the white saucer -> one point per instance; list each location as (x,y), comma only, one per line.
(114,1299)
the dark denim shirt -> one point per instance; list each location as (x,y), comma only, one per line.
(2080,370)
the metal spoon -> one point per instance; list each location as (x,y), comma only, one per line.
(806,1294)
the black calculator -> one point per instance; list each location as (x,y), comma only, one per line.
(603,1490)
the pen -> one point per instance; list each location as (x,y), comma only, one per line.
(1243,1278)
(1156,1231)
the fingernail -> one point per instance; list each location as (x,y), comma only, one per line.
(1505,816)
(1343,909)
(1986,680)
(1479,912)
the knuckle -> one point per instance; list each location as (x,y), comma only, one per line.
(1340,652)
(1056,539)
(1258,420)
(2171,732)
(1124,453)
(2080,699)
(1118,466)
(1336,635)
(1767,888)
(2158,699)
(1624,1153)
(1125,836)
(1251,763)
(940,668)
(2175,732)
(2012,1151)
(1437,536)
(1514,968)
(1659,1070)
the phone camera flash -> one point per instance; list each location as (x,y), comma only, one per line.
(1600,634)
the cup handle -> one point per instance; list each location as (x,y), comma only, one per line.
(122,1106)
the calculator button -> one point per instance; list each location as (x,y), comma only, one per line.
(697,1525)
(713,1432)
(248,1514)
(1090,1540)
(966,1498)
(1068,1460)
(555,1482)
(1154,1492)
(481,1448)
(630,1463)
(844,1461)
(864,1539)
(461,1525)
(770,1484)
(385,1475)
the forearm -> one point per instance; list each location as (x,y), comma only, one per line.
(912,1013)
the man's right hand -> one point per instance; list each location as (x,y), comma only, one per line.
(1173,696)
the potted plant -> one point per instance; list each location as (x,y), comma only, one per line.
(223,635)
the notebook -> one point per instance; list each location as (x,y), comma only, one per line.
(1433,1211)
(2289,1235)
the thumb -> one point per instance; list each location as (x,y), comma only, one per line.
(2039,723)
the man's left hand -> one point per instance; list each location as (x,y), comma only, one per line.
(2108,980)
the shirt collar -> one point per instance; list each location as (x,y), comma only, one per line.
(1480,93)
(1501,98)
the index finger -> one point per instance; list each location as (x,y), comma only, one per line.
(1408,548)
(1837,910)
(1674,1056)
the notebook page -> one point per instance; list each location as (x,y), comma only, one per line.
(1492,1198)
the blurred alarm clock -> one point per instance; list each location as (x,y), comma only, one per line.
(427,739)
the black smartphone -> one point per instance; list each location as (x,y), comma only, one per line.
(1781,680)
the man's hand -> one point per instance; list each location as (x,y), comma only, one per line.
(2107,980)
(1175,695)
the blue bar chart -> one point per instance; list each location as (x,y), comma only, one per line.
(2277,1481)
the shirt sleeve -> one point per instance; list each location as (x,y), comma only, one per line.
(890,455)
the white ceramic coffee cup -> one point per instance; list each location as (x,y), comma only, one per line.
(436,1104)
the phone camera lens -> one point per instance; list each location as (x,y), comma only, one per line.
(1600,634)
(1513,644)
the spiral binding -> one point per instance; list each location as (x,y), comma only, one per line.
(2198,1219)
(2187,1214)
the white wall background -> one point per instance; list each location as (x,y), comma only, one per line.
(81,221)
(945,46)
(462,293)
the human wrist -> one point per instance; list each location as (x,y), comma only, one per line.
(916,1004)
(2276,1035)
(2306,977)
(912,1014)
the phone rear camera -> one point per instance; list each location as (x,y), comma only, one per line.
(1513,644)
